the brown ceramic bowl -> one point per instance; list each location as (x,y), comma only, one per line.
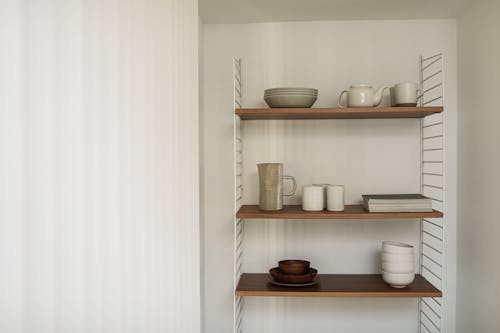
(293,278)
(294,266)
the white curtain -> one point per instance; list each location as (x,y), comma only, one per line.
(99,191)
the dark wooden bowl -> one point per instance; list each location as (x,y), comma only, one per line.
(294,266)
(293,278)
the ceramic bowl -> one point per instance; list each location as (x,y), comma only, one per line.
(290,101)
(398,280)
(305,90)
(288,93)
(397,247)
(403,267)
(292,278)
(294,266)
(313,90)
(397,258)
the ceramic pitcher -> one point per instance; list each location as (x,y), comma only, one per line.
(271,186)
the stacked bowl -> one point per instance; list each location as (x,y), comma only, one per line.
(293,273)
(290,97)
(398,265)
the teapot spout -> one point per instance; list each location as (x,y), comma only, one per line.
(378,96)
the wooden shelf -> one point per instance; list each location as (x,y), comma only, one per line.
(337,113)
(350,212)
(336,285)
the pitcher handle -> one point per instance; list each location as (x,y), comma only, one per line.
(340,99)
(294,185)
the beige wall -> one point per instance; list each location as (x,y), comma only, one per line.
(365,155)
(479,168)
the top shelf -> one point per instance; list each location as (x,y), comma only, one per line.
(337,113)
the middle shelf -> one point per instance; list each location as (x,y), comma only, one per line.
(350,212)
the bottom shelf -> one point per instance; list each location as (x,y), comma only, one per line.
(336,285)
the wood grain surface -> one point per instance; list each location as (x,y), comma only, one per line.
(350,212)
(336,113)
(336,285)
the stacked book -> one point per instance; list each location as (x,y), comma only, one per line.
(394,203)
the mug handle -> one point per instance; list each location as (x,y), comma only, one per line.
(340,99)
(294,185)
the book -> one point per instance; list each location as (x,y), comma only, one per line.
(385,203)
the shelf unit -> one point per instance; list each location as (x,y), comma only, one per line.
(428,284)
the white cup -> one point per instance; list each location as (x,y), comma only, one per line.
(397,257)
(312,198)
(396,247)
(324,186)
(398,267)
(404,94)
(335,198)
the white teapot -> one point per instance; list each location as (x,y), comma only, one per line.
(362,96)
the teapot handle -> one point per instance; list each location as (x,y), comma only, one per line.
(340,99)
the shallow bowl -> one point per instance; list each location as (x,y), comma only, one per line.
(397,258)
(290,101)
(397,247)
(403,267)
(287,93)
(292,89)
(293,278)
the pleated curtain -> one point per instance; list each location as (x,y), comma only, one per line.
(99,216)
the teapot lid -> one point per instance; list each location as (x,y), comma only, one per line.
(361,85)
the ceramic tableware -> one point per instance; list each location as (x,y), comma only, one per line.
(324,186)
(291,88)
(271,186)
(290,97)
(312,198)
(312,283)
(400,267)
(290,101)
(396,257)
(397,247)
(294,266)
(398,280)
(307,277)
(404,94)
(362,96)
(398,264)
(335,197)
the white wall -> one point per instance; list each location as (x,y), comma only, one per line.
(99,220)
(201,171)
(479,168)
(365,155)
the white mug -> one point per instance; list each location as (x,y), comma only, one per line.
(324,186)
(335,198)
(404,94)
(312,198)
